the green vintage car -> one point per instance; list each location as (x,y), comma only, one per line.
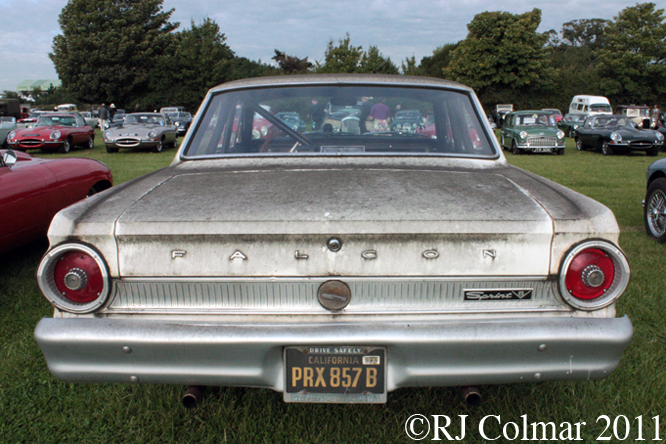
(532,131)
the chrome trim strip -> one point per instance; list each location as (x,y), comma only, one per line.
(294,295)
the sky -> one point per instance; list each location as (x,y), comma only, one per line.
(255,28)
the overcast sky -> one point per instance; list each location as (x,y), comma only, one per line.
(255,28)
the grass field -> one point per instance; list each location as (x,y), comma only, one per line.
(37,408)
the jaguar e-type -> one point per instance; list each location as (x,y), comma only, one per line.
(142,130)
(617,134)
(54,131)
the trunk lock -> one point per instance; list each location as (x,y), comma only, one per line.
(334,244)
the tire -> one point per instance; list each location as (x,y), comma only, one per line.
(159,147)
(515,150)
(90,144)
(654,212)
(571,134)
(652,152)
(95,189)
(66,146)
(175,142)
(579,145)
(110,149)
(606,149)
(502,142)
(560,151)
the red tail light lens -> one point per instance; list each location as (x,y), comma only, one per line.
(590,274)
(74,278)
(78,277)
(593,275)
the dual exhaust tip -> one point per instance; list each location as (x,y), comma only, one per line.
(195,394)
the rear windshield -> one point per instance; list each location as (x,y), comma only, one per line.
(340,120)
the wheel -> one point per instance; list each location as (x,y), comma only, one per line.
(652,152)
(502,142)
(655,210)
(95,189)
(606,149)
(579,145)
(175,142)
(560,151)
(514,149)
(571,133)
(91,142)
(66,146)
(158,148)
(110,149)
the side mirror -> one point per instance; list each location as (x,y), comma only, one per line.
(9,158)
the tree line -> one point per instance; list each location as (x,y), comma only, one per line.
(128,52)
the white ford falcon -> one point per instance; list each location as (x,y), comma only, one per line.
(338,261)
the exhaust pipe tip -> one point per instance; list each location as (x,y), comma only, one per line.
(471,395)
(193,396)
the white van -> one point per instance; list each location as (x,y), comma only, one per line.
(66,108)
(590,105)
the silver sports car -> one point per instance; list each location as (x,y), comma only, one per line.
(331,263)
(142,130)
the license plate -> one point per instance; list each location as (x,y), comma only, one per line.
(542,150)
(335,374)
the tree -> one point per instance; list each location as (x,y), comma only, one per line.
(198,60)
(588,33)
(10,95)
(290,64)
(434,65)
(373,62)
(343,58)
(574,57)
(108,48)
(346,58)
(243,68)
(633,60)
(503,55)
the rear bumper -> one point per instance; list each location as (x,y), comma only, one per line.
(450,353)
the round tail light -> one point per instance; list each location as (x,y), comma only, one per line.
(74,278)
(593,275)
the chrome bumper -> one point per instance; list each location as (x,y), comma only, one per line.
(448,353)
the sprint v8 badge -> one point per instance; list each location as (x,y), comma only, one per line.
(499,294)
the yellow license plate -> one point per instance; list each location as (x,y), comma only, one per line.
(335,374)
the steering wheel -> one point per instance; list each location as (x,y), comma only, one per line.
(269,139)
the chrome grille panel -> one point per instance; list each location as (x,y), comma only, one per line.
(542,142)
(30,142)
(640,144)
(127,142)
(299,296)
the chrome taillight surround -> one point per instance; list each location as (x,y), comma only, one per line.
(46,280)
(617,287)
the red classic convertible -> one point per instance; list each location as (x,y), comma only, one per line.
(54,131)
(33,190)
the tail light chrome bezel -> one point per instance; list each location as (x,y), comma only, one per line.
(46,280)
(617,287)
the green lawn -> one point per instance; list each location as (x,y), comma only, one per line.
(36,408)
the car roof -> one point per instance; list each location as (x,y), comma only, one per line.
(327,79)
(534,111)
